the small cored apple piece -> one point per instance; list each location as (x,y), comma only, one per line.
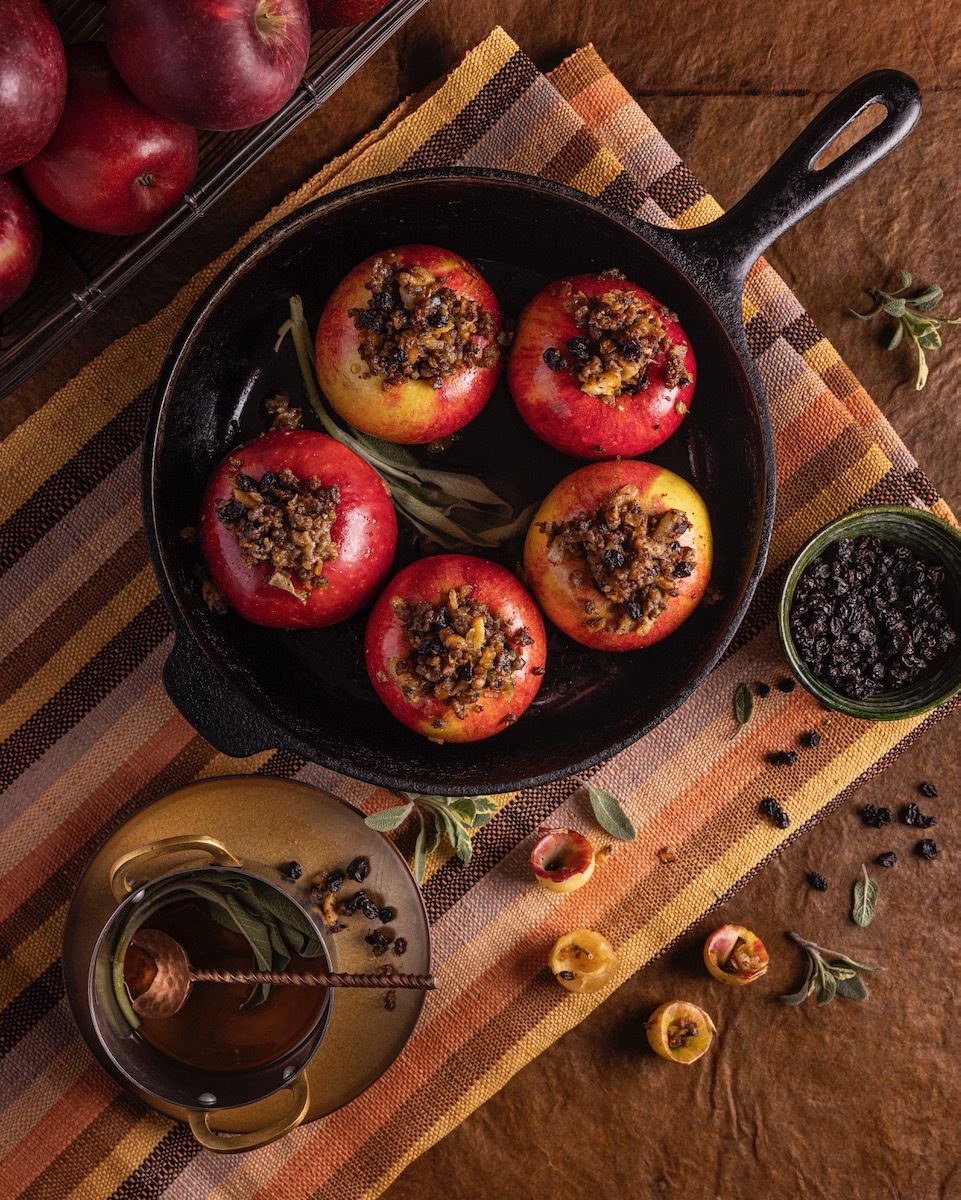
(455,647)
(297,531)
(680,1031)
(735,955)
(619,554)
(583,961)
(600,368)
(562,860)
(407,344)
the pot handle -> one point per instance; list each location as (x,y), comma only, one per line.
(230,1143)
(212,706)
(120,883)
(793,187)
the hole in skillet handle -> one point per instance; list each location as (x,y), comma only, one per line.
(803,178)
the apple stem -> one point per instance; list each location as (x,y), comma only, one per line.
(146,179)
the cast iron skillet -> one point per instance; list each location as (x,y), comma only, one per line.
(247,689)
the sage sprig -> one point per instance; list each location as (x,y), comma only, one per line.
(828,974)
(865,899)
(454,819)
(273,926)
(914,314)
(450,507)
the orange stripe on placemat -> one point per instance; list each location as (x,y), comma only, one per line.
(63,1121)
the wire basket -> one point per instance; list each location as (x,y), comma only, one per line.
(80,271)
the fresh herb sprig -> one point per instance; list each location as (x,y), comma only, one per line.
(454,818)
(743,707)
(914,314)
(451,508)
(274,927)
(829,974)
(609,813)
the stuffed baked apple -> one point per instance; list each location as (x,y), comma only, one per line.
(455,648)
(407,344)
(600,368)
(297,530)
(619,554)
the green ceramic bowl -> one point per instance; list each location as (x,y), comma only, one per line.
(930,538)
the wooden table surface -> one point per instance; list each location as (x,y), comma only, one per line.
(854,1098)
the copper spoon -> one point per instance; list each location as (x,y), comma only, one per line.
(168,989)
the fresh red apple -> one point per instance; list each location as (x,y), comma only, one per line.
(329,14)
(455,648)
(216,64)
(619,554)
(562,860)
(407,344)
(33,80)
(20,241)
(112,165)
(599,368)
(297,530)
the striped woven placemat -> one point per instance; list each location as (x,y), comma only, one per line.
(89,735)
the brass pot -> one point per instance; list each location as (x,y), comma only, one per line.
(201,1092)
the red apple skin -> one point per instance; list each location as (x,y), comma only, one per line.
(430,579)
(364,532)
(112,166)
(552,403)
(216,64)
(20,241)
(413,411)
(331,14)
(586,490)
(33,71)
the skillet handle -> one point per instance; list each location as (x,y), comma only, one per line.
(792,188)
(212,706)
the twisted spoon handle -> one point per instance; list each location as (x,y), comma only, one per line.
(335,979)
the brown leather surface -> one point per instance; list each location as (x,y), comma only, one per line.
(862,1098)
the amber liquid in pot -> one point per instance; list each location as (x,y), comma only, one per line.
(212,1031)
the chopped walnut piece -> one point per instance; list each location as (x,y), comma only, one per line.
(633,556)
(284,417)
(415,327)
(667,854)
(457,651)
(286,524)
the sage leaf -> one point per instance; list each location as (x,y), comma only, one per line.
(389,818)
(610,815)
(420,852)
(803,991)
(826,988)
(896,337)
(865,899)
(894,308)
(906,279)
(852,988)
(743,706)
(912,314)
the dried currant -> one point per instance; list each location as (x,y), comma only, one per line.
(358,870)
(887,860)
(817,881)
(927,849)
